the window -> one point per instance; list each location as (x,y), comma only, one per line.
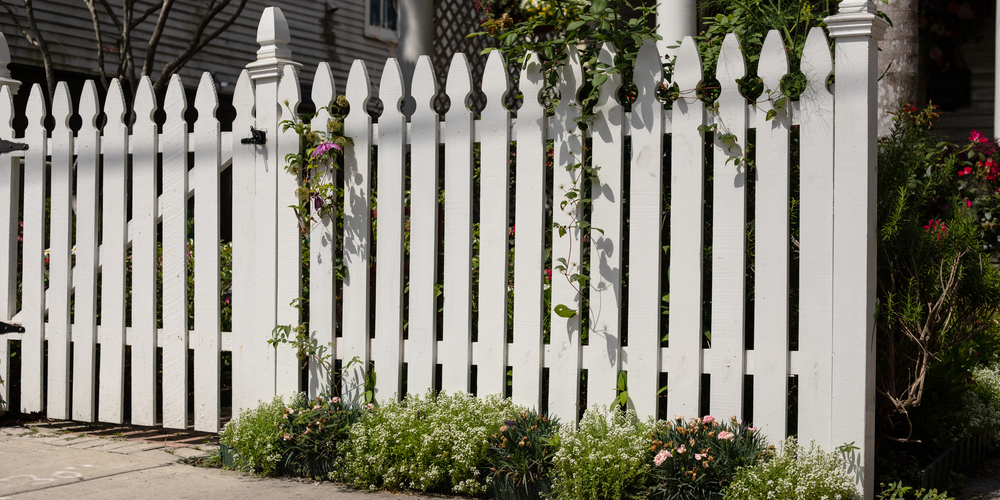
(381,19)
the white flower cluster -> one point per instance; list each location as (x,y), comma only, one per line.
(982,403)
(427,444)
(251,437)
(605,456)
(795,473)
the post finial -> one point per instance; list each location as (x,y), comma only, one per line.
(273,36)
(857,18)
(5,78)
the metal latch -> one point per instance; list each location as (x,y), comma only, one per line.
(7,146)
(9,328)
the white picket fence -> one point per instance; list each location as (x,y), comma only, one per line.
(834,362)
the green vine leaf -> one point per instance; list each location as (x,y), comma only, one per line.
(564,311)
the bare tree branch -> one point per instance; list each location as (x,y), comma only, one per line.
(142,17)
(100,43)
(43,47)
(197,42)
(154,39)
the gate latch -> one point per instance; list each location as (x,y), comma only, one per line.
(7,146)
(9,328)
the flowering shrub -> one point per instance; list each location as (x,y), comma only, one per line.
(251,435)
(431,443)
(697,459)
(310,433)
(608,457)
(981,404)
(794,473)
(520,455)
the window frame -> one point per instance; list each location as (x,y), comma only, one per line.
(381,32)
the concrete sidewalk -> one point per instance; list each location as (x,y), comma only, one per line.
(42,461)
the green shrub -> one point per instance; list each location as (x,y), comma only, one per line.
(607,458)
(794,473)
(433,443)
(896,491)
(253,437)
(981,404)
(520,453)
(311,432)
(696,459)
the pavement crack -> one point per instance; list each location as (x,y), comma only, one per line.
(83,480)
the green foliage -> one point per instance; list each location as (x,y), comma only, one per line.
(607,458)
(896,491)
(520,455)
(794,473)
(252,435)
(311,432)
(696,459)
(435,443)
(981,404)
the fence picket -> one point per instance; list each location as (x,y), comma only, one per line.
(10,180)
(729,213)
(771,248)
(33,262)
(391,178)
(424,182)
(113,251)
(289,235)
(457,346)
(175,248)
(529,239)
(57,297)
(494,230)
(244,249)
(267,171)
(816,243)
(357,231)
(207,235)
(645,216)
(564,367)
(88,160)
(603,352)
(322,251)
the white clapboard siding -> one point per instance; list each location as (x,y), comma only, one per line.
(10,180)
(175,303)
(729,236)
(816,243)
(357,232)
(57,297)
(88,159)
(564,371)
(287,231)
(424,185)
(33,274)
(771,247)
(114,232)
(144,215)
(388,348)
(494,228)
(244,247)
(207,334)
(645,218)
(322,251)
(525,356)
(603,352)
(456,352)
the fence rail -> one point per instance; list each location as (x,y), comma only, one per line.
(138,187)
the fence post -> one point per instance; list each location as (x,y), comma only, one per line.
(266,72)
(5,78)
(857,30)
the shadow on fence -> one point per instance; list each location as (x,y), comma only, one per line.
(959,457)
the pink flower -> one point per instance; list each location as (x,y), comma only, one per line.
(681,449)
(976,136)
(968,203)
(707,419)
(370,406)
(726,435)
(325,147)
(316,407)
(548,275)
(287,437)
(697,456)
(334,400)
(307,431)
(661,456)
(752,429)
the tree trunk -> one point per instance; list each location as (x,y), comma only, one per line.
(897,61)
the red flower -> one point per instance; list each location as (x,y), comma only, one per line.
(965,171)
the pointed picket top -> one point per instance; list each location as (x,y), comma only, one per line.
(62,107)
(773,63)
(687,70)
(35,109)
(391,87)
(459,85)
(647,76)
(496,81)
(206,101)
(609,89)
(6,110)
(5,78)
(358,90)
(114,103)
(145,101)
(817,62)
(532,81)
(324,89)
(424,87)
(570,81)
(289,94)
(731,65)
(175,102)
(243,100)
(89,106)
